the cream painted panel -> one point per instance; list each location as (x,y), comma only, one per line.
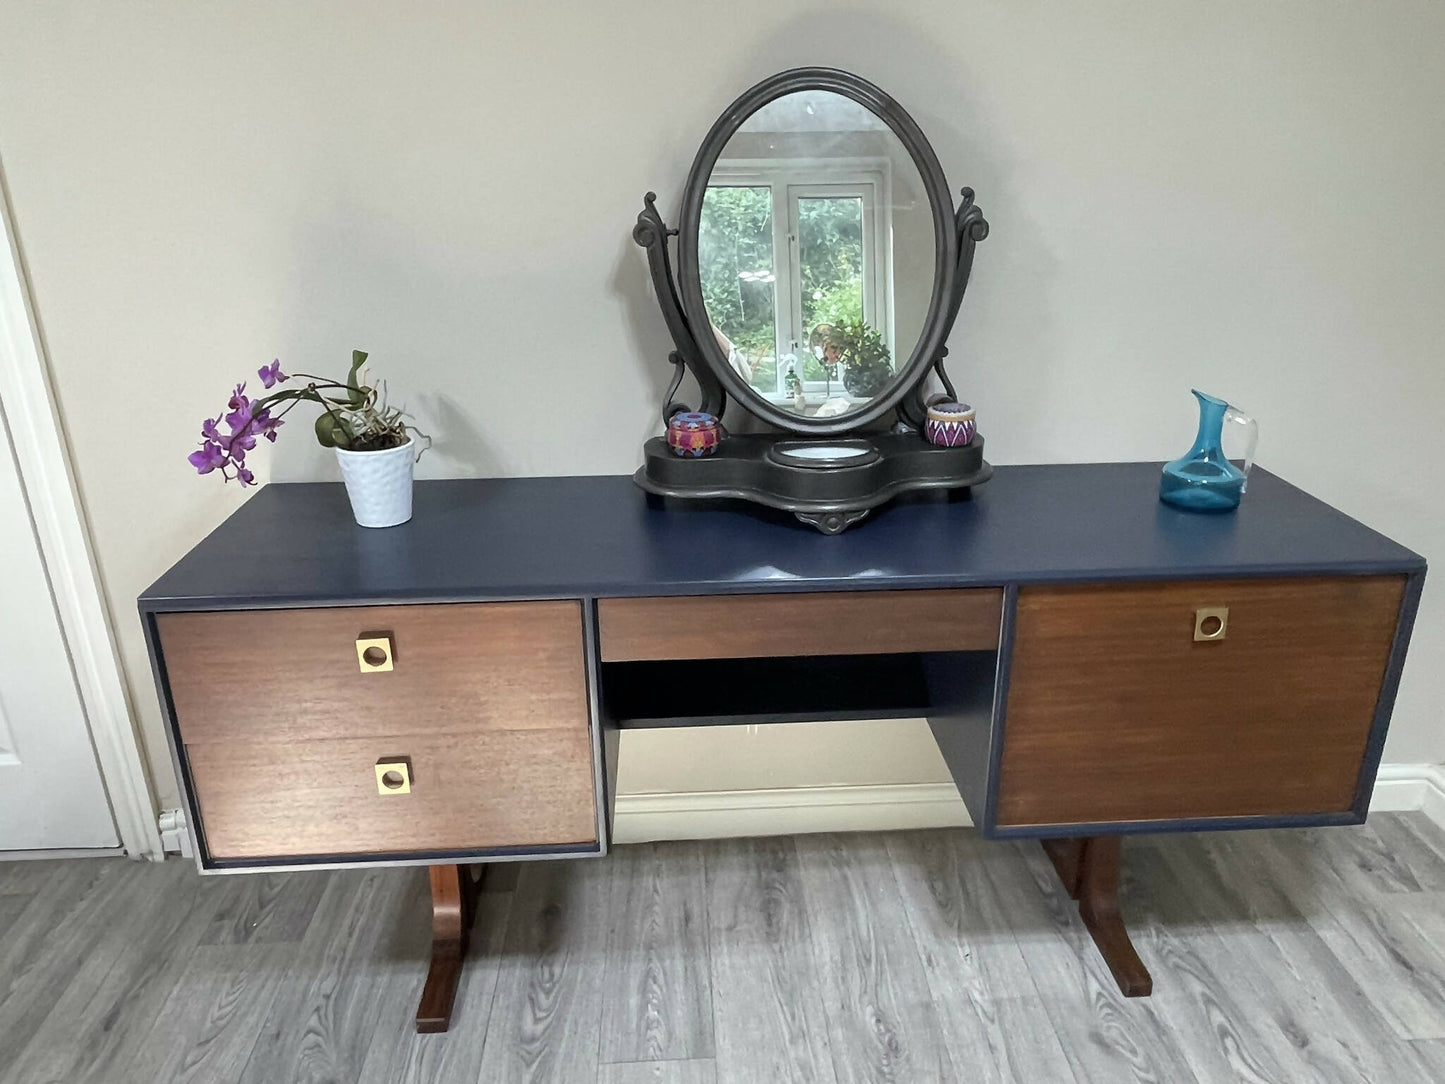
(779,755)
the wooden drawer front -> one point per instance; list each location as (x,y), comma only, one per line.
(830,623)
(294,674)
(493,788)
(1116,712)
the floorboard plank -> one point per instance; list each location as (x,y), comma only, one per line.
(656,1004)
(986,999)
(1388,955)
(768,1016)
(1418,842)
(267,909)
(119,987)
(547,1011)
(692,1071)
(399,1054)
(882,1024)
(11,908)
(1218,1016)
(208,1027)
(1312,1002)
(1105,1036)
(65,936)
(324,1014)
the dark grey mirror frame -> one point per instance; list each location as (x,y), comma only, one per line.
(945,239)
(829,495)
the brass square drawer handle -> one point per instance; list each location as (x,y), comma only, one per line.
(393,775)
(1211,623)
(374,653)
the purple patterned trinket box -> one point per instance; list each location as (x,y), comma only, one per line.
(693,434)
(950,425)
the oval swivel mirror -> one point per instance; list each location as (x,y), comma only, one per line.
(821,264)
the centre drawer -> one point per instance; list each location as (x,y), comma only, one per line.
(303,674)
(821,623)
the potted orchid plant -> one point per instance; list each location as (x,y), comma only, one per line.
(373,441)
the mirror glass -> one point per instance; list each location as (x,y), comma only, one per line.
(816,253)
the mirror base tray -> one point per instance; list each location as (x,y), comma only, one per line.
(832,498)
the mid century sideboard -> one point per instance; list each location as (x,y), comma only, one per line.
(1092,663)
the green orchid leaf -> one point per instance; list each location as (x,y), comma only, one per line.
(325,430)
(332,431)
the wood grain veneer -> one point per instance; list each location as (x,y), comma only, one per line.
(1116,713)
(278,675)
(824,623)
(492,788)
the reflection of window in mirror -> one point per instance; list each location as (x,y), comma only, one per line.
(790,247)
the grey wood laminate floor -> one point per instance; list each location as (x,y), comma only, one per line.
(1313,955)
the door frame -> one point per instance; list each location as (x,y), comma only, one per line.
(47,476)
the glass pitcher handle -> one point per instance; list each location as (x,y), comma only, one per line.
(1249,428)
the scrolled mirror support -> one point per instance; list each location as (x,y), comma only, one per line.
(652,233)
(970,227)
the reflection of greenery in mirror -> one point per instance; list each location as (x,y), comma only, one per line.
(735,258)
(830,267)
(771,309)
(867,365)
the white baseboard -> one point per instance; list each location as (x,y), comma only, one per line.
(642,818)
(62,852)
(1407,787)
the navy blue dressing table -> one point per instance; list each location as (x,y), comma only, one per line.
(1092,662)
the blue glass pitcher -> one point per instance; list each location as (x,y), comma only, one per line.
(1203,479)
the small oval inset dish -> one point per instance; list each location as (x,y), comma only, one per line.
(823,454)
(950,425)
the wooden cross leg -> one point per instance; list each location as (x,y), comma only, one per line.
(453,901)
(1089,868)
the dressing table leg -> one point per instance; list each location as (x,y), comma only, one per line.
(1089,869)
(453,897)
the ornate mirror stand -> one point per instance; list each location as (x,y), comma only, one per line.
(828,465)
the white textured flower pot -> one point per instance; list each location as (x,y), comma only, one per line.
(379,484)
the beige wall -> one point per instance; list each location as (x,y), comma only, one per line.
(1244,197)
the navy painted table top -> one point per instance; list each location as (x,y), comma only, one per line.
(296,544)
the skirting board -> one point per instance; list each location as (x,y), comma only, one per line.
(1403,787)
(725,814)
(643,818)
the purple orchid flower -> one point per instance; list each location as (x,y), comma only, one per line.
(240,417)
(271,375)
(266,425)
(207,458)
(250,420)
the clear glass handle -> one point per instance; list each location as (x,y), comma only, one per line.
(1241,431)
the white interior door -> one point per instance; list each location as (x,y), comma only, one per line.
(51,794)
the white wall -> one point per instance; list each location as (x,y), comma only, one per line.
(1240,196)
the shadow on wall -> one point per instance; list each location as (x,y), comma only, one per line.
(1002,338)
(476,354)
(649,339)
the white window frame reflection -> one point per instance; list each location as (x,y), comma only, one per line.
(867,179)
